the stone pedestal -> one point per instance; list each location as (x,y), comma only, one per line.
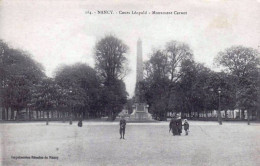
(140,112)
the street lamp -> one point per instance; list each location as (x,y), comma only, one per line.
(219,115)
(70,92)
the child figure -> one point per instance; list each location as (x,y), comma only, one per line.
(122,127)
(186,126)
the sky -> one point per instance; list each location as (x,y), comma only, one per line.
(57,32)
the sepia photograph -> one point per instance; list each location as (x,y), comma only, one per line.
(129,83)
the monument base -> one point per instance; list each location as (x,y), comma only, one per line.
(140,113)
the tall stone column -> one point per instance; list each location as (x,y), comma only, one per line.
(139,65)
(139,71)
(140,109)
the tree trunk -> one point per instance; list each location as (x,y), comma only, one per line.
(30,113)
(190,113)
(7,113)
(75,114)
(3,113)
(27,114)
(16,115)
(83,115)
(47,121)
(70,118)
(248,116)
(243,114)
(192,109)
(12,114)
(63,116)
(110,115)
(37,114)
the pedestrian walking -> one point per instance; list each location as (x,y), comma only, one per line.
(80,122)
(122,127)
(186,126)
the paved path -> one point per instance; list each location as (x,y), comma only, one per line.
(98,143)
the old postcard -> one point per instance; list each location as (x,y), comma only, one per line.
(129,83)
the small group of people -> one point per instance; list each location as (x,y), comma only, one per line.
(176,126)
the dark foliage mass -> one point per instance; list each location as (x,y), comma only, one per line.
(173,82)
(176,83)
(76,91)
(110,56)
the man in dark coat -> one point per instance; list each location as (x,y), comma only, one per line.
(122,127)
(173,126)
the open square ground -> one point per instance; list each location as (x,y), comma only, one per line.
(98,143)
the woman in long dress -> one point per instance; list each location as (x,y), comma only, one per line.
(179,125)
(173,126)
